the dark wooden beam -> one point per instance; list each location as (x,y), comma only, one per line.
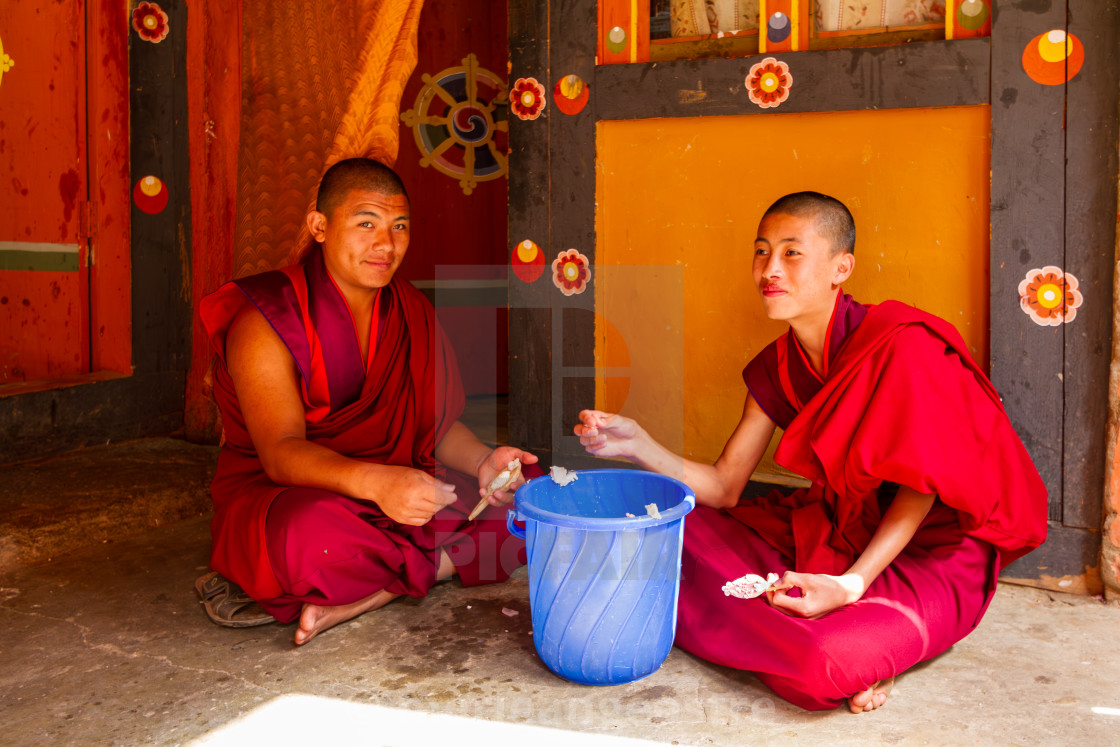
(1092,100)
(572,217)
(530,326)
(1027,215)
(946,73)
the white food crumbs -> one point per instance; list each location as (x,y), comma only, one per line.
(505,478)
(750,586)
(510,613)
(651,509)
(562,477)
(630,515)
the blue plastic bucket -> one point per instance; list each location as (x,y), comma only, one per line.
(603,586)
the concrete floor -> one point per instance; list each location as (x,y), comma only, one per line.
(106,643)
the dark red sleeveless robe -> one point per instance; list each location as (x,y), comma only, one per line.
(899,401)
(313,545)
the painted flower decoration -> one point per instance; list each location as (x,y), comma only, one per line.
(1049,296)
(6,63)
(150,22)
(768,82)
(571,272)
(527,98)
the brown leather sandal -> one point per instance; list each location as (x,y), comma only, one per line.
(226,604)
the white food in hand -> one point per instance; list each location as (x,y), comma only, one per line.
(505,478)
(750,586)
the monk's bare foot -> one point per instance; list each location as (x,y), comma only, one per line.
(446,568)
(871,698)
(314,619)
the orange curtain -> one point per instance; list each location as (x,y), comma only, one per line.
(320,82)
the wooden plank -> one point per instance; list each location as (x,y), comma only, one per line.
(47,422)
(214,99)
(161,310)
(110,266)
(1028,210)
(572,215)
(530,327)
(1092,100)
(920,75)
(1069,561)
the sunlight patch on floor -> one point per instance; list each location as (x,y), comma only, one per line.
(307,719)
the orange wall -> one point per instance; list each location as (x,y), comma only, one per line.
(678,205)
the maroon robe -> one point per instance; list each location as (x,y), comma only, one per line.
(312,545)
(899,401)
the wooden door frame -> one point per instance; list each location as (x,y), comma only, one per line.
(137,124)
(1054,160)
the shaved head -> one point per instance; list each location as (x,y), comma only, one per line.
(350,174)
(832,220)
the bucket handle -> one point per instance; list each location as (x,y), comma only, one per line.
(516,531)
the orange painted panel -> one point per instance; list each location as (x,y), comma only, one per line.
(623,32)
(42,155)
(39,312)
(783,26)
(108,143)
(683,197)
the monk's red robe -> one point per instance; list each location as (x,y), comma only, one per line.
(312,545)
(899,401)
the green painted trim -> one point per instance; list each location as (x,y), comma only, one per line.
(26,255)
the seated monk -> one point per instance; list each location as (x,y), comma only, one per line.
(920,489)
(346,478)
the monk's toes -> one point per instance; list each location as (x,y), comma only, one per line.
(862,701)
(871,698)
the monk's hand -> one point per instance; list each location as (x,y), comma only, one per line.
(411,496)
(819,593)
(606,435)
(493,465)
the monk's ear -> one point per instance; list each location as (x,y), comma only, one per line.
(317,224)
(845,263)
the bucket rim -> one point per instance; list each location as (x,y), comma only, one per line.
(525,511)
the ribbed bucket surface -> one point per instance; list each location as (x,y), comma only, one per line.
(603,586)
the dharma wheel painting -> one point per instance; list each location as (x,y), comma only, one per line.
(459,120)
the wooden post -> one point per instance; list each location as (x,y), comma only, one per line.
(783,26)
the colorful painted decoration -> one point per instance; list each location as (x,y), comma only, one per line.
(150,22)
(527,261)
(778,28)
(571,94)
(527,98)
(459,121)
(616,39)
(1053,58)
(6,61)
(972,14)
(571,272)
(150,195)
(768,82)
(1049,296)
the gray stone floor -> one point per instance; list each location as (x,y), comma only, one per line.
(107,644)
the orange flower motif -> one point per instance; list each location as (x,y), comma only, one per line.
(768,82)
(1049,296)
(150,22)
(571,272)
(527,100)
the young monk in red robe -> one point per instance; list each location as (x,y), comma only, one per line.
(920,490)
(346,479)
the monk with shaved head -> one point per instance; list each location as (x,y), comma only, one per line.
(919,489)
(346,478)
